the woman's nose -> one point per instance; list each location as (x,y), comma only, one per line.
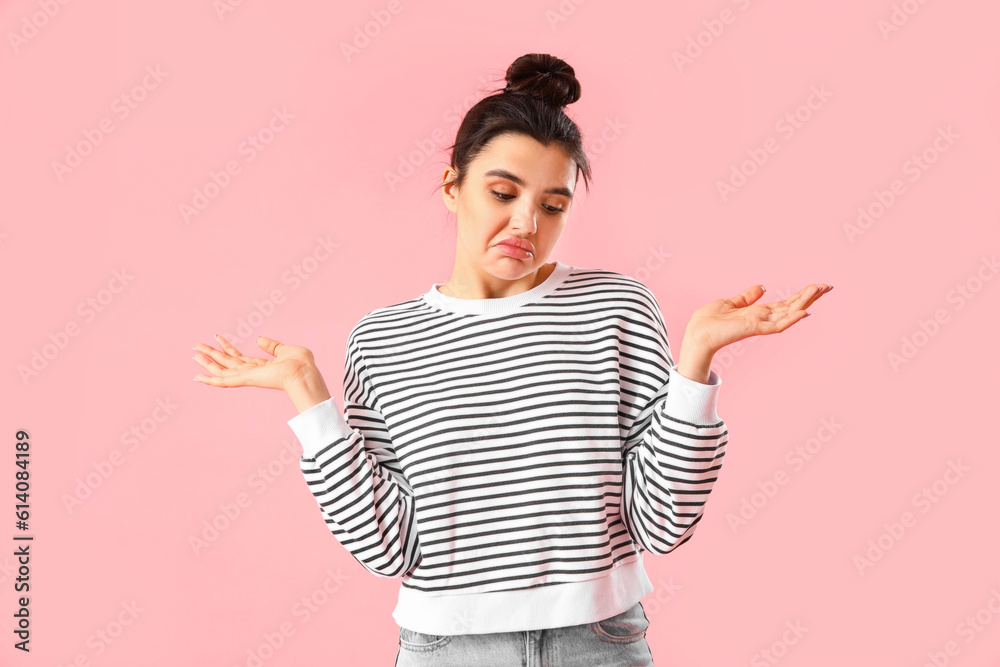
(523,221)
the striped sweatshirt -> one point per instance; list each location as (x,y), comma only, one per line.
(512,459)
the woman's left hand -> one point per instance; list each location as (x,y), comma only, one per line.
(725,321)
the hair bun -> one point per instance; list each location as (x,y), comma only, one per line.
(543,76)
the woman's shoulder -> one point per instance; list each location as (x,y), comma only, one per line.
(390,321)
(610,280)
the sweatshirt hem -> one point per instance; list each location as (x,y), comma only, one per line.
(537,608)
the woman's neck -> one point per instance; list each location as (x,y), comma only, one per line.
(459,288)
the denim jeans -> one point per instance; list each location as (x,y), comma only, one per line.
(613,642)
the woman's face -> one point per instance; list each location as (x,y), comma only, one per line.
(515,187)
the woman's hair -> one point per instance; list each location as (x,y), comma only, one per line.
(538,87)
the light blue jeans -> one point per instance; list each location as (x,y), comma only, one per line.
(618,641)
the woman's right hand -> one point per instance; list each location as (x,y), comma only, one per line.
(231,368)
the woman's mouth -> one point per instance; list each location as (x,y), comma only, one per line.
(515,247)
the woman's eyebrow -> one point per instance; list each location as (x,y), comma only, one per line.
(503,173)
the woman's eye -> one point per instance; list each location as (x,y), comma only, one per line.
(506,197)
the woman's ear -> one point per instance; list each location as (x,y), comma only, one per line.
(450,191)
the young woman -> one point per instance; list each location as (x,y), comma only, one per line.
(516,438)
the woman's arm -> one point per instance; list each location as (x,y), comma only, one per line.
(675,447)
(352,472)
(348,463)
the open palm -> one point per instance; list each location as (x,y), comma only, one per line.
(726,321)
(232,368)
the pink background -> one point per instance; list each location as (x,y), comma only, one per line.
(670,134)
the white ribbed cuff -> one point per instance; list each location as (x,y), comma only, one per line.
(319,426)
(691,401)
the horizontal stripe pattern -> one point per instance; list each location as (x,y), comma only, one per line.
(501,452)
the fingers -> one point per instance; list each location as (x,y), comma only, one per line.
(208,352)
(269,345)
(806,296)
(791,319)
(780,315)
(228,357)
(816,292)
(780,323)
(228,367)
(227,347)
(216,381)
(208,363)
(748,296)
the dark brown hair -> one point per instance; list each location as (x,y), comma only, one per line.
(538,87)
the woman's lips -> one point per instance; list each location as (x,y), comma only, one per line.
(514,246)
(513,251)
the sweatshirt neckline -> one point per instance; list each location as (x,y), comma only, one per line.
(503,305)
